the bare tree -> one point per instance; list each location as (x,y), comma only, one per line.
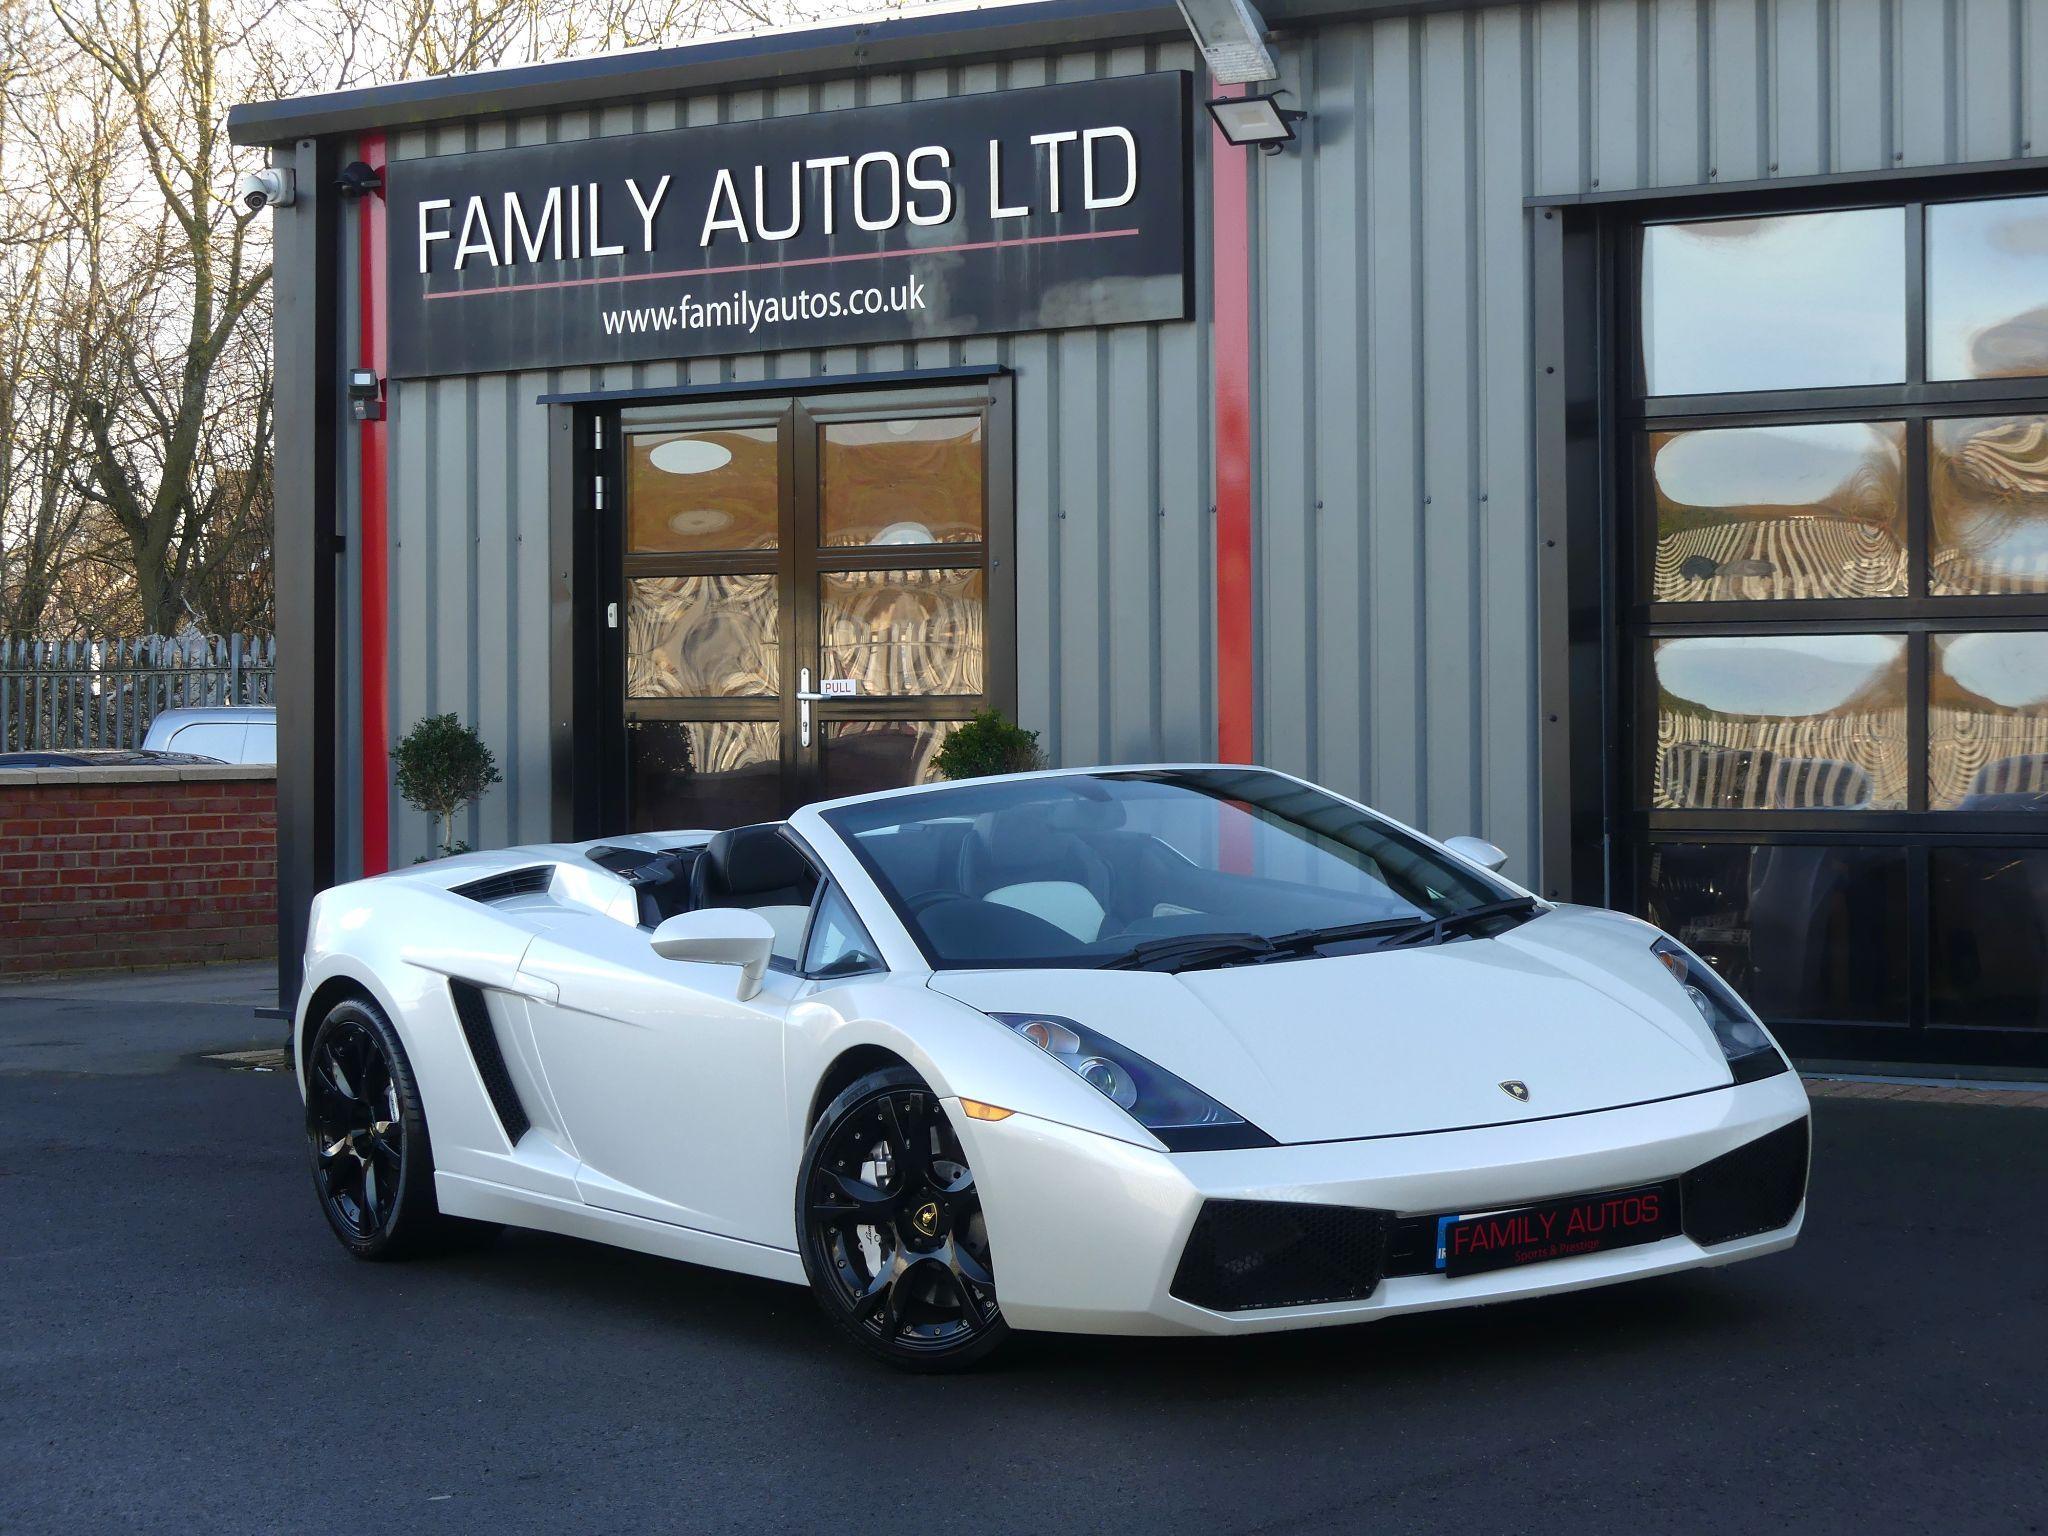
(47,533)
(135,373)
(371,41)
(189,272)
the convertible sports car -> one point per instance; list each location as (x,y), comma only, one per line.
(1166,1049)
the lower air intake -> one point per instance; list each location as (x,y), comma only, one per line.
(1246,1254)
(1756,1188)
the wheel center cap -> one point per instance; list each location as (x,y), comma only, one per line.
(927,1218)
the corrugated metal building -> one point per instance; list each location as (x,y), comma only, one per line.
(1641,466)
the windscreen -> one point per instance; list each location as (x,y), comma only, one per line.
(1092,869)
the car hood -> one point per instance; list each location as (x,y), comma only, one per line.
(1572,1005)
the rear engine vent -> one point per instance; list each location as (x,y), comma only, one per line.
(1244,1254)
(475,1015)
(531,881)
(1756,1188)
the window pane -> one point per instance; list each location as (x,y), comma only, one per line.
(717,773)
(902,633)
(1990,912)
(1987,722)
(1801,932)
(702,637)
(1747,513)
(695,491)
(1059,870)
(1987,289)
(912,481)
(1795,302)
(212,739)
(1780,722)
(864,755)
(1989,496)
(839,943)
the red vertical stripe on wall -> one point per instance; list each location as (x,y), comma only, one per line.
(373,569)
(1231,330)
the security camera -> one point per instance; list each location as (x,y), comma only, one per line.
(270,188)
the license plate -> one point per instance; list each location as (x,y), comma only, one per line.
(1557,1229)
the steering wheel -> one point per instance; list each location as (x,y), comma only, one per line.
(917,904)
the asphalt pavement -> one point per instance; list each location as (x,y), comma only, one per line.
(186,1347)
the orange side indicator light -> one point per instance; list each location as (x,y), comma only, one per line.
(976,1110)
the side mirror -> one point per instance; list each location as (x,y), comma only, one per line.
(1478,850)
(719,936)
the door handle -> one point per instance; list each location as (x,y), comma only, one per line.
(533,987)
(804,699)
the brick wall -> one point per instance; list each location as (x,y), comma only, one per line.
(117,867)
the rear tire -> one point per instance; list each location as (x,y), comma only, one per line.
(890,1228)
(366,1129)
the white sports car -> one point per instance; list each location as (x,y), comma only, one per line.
(1175,1049)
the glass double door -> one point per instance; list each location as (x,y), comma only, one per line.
(813,594)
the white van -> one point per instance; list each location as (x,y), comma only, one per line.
(234,733)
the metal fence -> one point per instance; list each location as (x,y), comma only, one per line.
(56,694)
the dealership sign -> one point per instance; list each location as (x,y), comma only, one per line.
(1020,210)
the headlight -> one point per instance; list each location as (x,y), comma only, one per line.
(1743,1041)
(1179,1114)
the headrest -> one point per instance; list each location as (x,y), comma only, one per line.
(751,861)
(1014,831)
(1036,842)
(1017,834)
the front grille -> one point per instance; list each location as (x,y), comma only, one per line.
(1756,1188)
(1244,1254)
(1248,1254)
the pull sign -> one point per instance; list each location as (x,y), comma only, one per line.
(839,687)
(611,615)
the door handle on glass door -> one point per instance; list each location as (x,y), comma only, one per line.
(804,699)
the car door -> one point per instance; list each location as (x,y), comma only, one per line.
(672,1088)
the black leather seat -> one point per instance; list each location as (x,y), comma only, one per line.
(751,867)
(1028,857)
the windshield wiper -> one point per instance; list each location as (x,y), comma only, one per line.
(1190,951)
(1300,941)
(1196,951)
(1434,930)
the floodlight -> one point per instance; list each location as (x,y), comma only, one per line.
(1259,120)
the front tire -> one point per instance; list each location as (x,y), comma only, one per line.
(373,1164)
(891,1228)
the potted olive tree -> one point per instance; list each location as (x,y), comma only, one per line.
(442,766)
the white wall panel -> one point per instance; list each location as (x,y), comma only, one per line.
(1396,524)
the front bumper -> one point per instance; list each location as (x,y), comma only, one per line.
(1087,1232)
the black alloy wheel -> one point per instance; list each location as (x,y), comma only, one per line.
(373,1166)
(894,1240)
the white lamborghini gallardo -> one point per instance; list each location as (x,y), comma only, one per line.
(1176,1049)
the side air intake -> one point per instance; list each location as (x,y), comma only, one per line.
(534,880)
(475,1015)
